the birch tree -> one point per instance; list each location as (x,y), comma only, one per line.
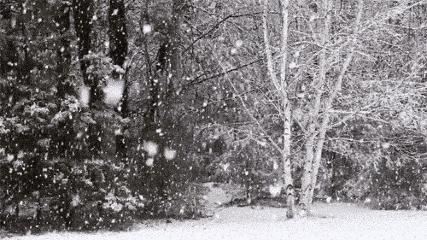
(318,125)
(319,84)
(281,86)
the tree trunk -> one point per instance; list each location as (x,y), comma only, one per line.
(63,139)
(287,167)
(118,53)
(168,65)
(281,87)
(178,8)
(83,13)
(83,21)
(287,118)
(308,174)
(331,98)
(63,51)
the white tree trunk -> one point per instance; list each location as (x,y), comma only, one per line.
(287,113)
(328,105)
(287,166)
(281,87)
(306,181)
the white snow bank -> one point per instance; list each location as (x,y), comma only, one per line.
(335,221)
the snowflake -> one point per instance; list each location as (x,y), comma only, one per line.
(84,96)
(274,190)
(113,92)
(149,162)
(147,28)
(117,207)
(385,145)
(75,200)
(169,154)
(151,148)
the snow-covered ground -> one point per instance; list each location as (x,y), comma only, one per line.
(330,221)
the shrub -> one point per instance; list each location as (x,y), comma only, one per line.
(399,184)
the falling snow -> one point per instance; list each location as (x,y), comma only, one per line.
(213,119)
(113,92)
(147,28)
(84,96)
(151,148)
(169,154)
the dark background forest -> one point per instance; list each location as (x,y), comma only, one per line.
(113,111)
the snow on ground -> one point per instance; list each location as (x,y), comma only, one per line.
(330,221)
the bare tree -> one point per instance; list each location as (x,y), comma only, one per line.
(313,146)
(281,86)
(319,84)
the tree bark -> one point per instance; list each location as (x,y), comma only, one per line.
(306,184)
(168,67)
(178,9)
(83,21)
(83,13)
(287,118)
(118,53)
(63,139)
(331,98)
(62,20)
(281,86)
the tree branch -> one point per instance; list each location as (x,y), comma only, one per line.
(217,26)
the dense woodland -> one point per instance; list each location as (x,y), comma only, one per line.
(113,111)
